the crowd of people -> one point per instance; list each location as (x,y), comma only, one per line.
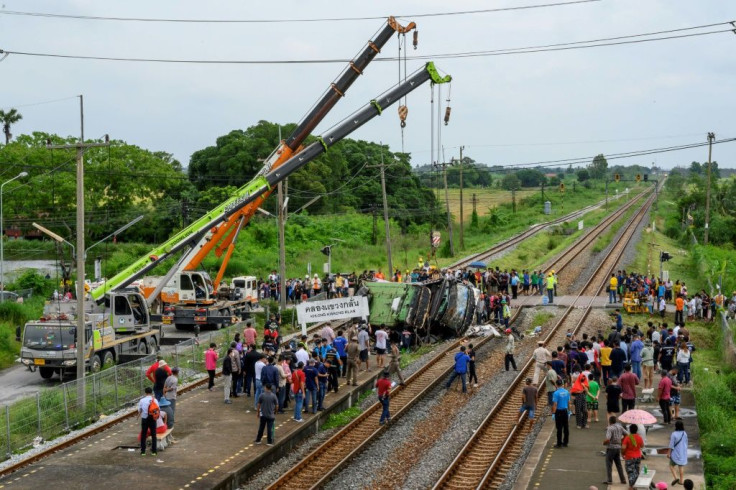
(584,370)
(656,293)
(302,371)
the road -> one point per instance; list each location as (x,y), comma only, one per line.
(18,382)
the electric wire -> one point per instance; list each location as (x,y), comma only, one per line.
(283,21)
(596,43)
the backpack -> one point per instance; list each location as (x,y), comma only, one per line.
(153,409)
(227,366)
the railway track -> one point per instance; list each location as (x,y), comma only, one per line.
(534,229)
(486,458)
(321,464)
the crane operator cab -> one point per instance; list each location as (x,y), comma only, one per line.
(129,313)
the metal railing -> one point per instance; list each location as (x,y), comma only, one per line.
(55,411)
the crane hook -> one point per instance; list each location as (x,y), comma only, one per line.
(403,112)
(447,114)
(416,38)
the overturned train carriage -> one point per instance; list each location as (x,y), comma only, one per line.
(442,307)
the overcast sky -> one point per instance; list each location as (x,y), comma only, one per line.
(505,109)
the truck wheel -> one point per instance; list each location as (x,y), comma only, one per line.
(46,372)
(108,360)
(152,346)
(95,364)
(142,347)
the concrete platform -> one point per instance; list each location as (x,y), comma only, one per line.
(214,446)
(582,464)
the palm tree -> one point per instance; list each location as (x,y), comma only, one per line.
(8,118)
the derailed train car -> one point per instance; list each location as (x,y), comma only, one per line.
(440,307)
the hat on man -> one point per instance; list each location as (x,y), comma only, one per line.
(540,342)
(574,345)
(508,330)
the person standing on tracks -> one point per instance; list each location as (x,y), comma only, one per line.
(612,289)
(560,407)
(381,338)
(227,375)
(353,358)
(394,365)
(461,368)
(210,364)
(148,422)
(266,411)
(614,436)
(473,376)
(550,381)
(237,371)
(506,313)
(509,360)
(383,388)
(540,355)
(529,401)
(551,282)
(364,341)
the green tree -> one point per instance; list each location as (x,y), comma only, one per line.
(598,167)
(9,118)
(583,175)
(696,168)
(510,182)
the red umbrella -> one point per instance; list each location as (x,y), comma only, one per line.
(637,417)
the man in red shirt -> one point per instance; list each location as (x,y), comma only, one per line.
(628,382)
(383,387)
(663,397)
(154,367)
(298,381)
(249,334)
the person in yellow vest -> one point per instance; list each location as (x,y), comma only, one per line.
(551,281)
(316,285)
(338,285)
(420,263)
(612,288)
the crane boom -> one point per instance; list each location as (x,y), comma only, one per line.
(202,241)
(254,190)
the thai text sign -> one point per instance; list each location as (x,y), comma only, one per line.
(332,309)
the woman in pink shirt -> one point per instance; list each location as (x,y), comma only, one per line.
(210,363)
(287,388)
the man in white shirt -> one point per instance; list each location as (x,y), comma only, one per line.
(541,355)
(302,355)
(147,421)
(363,344)
(260,364)
(381,337)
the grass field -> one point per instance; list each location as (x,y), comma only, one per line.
(487,198)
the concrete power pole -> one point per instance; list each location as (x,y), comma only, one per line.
(385,216)
(711,137)
(81,147)
(447,205)
(462,223)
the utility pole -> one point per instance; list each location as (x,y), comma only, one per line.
(386,222)
(282,247)
(81,147)
(606,194)
(542,193)
(513,200)
(462,222)
(711,137)
(447,206)
(475,202)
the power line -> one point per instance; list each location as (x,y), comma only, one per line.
(283,21)
(596,43)
(41,103)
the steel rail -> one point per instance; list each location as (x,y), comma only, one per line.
(531,231)
(477,448)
